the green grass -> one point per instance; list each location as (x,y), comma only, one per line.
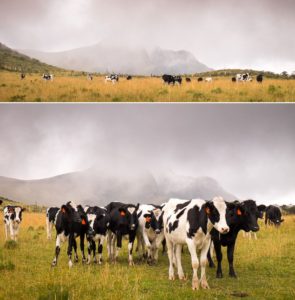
(265,270)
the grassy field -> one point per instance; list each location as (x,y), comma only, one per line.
(146,89)
(265,270)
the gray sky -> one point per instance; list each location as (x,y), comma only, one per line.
(227,33)
(249,149)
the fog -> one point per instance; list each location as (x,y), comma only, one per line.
(248,149)
(221,34)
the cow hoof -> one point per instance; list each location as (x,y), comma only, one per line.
(70,264)
(131,263)
(83,260)
(171,277)
(53,264)
(211,265)
(182,278)
(88,262)
(195,285)
(76,259)
(204,285)
(219,275)
(233,275)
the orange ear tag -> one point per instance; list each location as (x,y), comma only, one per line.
(148,219)
(63,210)
(207,210)
(83,222)
(239,213)
(122,213)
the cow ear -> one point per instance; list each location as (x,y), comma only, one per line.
(137,206)
(64,209)
(230,205)
(23,209)
(261,207)
(240,211)
(122,212)
(208,207)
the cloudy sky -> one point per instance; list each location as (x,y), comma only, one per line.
(220,33)
(249,149)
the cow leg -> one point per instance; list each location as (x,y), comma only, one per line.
(148,245)
(130,248)
(109,244)
(75,250)
(82,239)
(70,246)
(48,229)
(203,261)
(178,262)
(210,260)
(119,244)
(57,250)
(170,256)
(90,245)
(195,263)
(11,231)
(159,241)
(164,246)
(218,252)
(230,257)
(100,248)
(94,251)
(6,227)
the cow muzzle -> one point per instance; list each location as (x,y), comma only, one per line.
(224,229)
(157,231)
(132,227)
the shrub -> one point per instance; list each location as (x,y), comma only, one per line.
(17,98)
(216,91)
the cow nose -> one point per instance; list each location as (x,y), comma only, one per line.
(132,226)
(224,229)
(255,228)
(157,231)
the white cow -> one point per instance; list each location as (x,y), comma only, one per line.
(190,222)
(208,79)
(12,220)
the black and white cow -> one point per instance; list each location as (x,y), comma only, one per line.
(99,222)
(123,221)
(243,77)
(112,78)
(129,77)
(150,233)
(240,216)
(71,222)
(50,219)
(178,79)
(273,216)
(259,78)
(47,77)
(190,222)
(12,220)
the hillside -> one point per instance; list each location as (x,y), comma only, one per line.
(106,58)
(95,186)
(11,60)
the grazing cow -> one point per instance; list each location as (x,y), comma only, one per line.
(12,220)
(90,77)
(22,76)
(243,77)
(208,79)
(169,79)
(234,79)
(99,222)
(123,221)
(259,78)
(112,78)
(50,219)
(178,80)
(200,79)
(187,79)
(47,77)
(240,216)
(129,77)
(190,222)
(71,222)
(273,216)
(150,233)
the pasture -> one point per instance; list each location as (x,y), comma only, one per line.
(70,88)
(265,269)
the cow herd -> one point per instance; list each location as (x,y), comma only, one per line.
(200,225)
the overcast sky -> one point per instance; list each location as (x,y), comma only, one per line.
(248,149)
(220,33)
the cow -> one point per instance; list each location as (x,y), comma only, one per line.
(273,216)
(209,79)
(90,77)
(22,76)
(190,222)
(149,232)
(240,216)
(99,222)
(71,222)
(12,220)
(259,78)
(200,79)
(234,79)
(47,77)
(1,202)
(112,78)
(169,79)
(178,80)
(50,219)
(243,77)
(187,79)
(123,221)
(129,77)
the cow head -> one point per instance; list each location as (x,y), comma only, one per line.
(152,220)
(216,212)
(15,213)
(128,213)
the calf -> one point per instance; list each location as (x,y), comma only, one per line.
(12,220)
(99,222)
(22,76)
(150,233)
(71,222)
(234,79)
(129,77)
(123,221)
(273,216)
(240,216)
(47,77)
(190,222)
(50,219)
(178,80)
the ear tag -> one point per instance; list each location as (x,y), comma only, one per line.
(63,210)
(207,210)
(148,219)
(239,212)
(122,213)
(83,222)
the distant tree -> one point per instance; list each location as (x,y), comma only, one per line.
(285,74)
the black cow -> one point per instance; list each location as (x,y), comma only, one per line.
(168,79)
(187,79)
(50,218)
(259,78)
(22,76)
(273,216)
(129,77)
(71,222)
(123,221)
(1,202)
(241,216)
(234,79)
(99,222)
(178,79)
(200,79)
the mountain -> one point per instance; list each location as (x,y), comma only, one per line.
(99,187)
(12,60)
(106,58)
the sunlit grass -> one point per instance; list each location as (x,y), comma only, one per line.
(147,89)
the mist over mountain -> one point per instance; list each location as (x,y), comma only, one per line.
(107,58)
(99,187)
